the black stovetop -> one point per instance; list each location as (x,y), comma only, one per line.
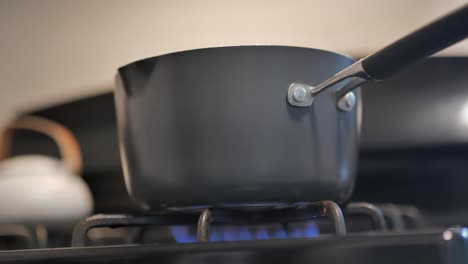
(436,246)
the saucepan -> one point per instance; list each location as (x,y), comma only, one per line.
(254,125)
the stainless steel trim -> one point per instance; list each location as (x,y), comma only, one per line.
(353,84)
(305,99)
(347,102)
(333,211)
(203,227)
(394,214)
(371,210)
(355,70)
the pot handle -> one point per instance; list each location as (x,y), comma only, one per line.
(63,137)
(418,45)
(422,43)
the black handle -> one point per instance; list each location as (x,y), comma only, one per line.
(418,45)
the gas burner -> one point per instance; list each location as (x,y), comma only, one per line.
(241,221)
(436,246)
(283,216)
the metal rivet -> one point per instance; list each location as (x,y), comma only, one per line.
(347,102)
(300,93)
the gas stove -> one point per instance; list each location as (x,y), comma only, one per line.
(436,246)
(293,234)
(299,233)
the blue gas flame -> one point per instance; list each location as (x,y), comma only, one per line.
(183,234)
(187,234)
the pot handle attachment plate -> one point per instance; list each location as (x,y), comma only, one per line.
(422,43)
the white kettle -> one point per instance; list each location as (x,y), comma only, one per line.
(40,189)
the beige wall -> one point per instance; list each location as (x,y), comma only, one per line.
(55,50)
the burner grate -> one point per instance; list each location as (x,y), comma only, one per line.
(213,217)
(234,224)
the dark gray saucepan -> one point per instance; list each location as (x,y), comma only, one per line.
(236,126)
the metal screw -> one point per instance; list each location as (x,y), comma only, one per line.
(347,102)
(300,93)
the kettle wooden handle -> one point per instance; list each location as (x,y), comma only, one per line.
(63,137)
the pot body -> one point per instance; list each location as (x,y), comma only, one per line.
(212,127)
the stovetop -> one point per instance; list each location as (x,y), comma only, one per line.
(434,246)
(393,234)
